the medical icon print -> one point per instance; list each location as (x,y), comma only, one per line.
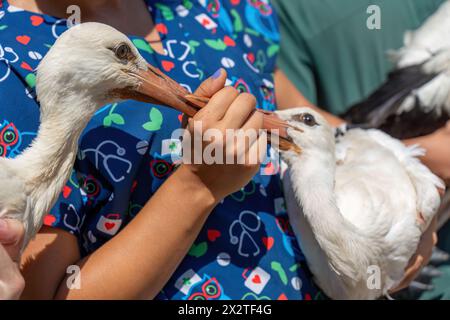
(256,280)
(103,159)
(11,139)
(242,232)
(109,224)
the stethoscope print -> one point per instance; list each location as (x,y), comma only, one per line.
(13,59)
(189,67)
(246,230)
(79,221)
(61,22)
(119,156)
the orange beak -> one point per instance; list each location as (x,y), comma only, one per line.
(158,88)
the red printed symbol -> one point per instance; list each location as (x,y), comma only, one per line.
(268,242)
(36,20)
(161,27)
(109,225)
(251,57)
(229,42)
(205,22)
(168,65)
(66,192)
(256,279)
(26,66)
(282,297)
(213,235)
(49,220)
(23,39)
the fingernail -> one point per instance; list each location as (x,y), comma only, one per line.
(217,73)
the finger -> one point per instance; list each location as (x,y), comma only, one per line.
(240,111)
(212,85)
(5,259)
(218,105)
(208,88)
(247,136)
(252,127)
(255,121)
(258,149)
(11,231)
(11,237)
(11,281)
(415,265)
(251,147)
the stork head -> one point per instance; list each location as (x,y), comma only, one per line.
(308,129)
(96,62)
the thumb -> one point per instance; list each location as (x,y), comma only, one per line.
(11,232)
(213,84)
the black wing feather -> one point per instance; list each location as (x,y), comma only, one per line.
(379,110)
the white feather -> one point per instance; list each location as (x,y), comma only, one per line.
(428,45)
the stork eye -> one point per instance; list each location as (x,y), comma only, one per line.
(123,51)
(307,119)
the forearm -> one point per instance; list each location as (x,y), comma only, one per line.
(437,152)
(288,96)
(138,261)
(11,281)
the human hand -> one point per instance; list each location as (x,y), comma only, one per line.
(227,109)
(11,238)
(437,146)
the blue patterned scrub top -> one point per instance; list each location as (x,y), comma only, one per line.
(246,249)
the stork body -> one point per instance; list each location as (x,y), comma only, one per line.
(415,100)
(354,205)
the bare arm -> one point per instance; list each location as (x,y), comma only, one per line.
(437,146)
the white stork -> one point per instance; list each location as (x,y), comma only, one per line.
(89,66)
(354,203)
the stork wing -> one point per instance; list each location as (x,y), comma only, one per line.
(386,99)
(381,109)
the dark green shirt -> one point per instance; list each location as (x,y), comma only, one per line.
(328,52)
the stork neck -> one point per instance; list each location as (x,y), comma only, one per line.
(314,174)
(47,163)
(313,177)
